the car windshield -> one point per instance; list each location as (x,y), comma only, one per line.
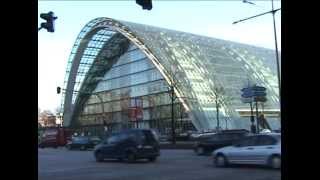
(150,137)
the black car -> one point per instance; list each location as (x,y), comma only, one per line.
(221,139)
(129,144)
(83,143)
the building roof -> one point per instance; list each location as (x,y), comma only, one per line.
(196,65)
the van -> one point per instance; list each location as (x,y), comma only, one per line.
(54,137)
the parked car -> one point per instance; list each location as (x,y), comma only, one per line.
(179,137)
(83,142)
(129,144)
(201,135)
(54,137)
(262,149)
(277,131)
(205,146)
(265,131)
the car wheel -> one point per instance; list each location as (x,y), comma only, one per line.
(131,157)
(275,162)
(200,150)
(99,156)
(152,159)
(220,161)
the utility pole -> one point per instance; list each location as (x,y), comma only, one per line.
(253,128)
(173,128)
(181,116)
(257,115)
(273,11)
(276,45)
(217,110)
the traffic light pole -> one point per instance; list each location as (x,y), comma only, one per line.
(277,53)
(273,11)
(173,128)
(257,117)
(217,111)
(252,118)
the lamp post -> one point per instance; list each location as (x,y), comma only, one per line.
(173,128)
(273,11)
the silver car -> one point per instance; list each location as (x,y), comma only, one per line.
(262,149)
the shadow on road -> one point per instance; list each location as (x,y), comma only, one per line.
(125,162)
(242,166)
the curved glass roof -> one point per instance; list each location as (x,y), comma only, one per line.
(196,65)
(88,56)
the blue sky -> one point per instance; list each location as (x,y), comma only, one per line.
(208,18)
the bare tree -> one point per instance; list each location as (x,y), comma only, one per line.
(221,98)
(47,118)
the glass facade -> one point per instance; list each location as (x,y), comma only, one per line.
(132,78)
(134,83)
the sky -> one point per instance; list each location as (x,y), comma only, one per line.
(208,18)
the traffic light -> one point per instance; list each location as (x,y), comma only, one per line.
(146,4)
(50,18)
(58,90)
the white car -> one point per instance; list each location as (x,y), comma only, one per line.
(260,149)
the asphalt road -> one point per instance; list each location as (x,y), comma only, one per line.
(61,164)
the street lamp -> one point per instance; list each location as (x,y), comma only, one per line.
(273,11)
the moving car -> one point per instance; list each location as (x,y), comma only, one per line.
(83,143)
(129,144)
(206,146)
(260,149)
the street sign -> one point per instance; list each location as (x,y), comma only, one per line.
(246,89)
(259,93)
(247,95)
(256,93)
(258,88)
(253,94)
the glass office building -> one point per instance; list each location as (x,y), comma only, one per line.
(122,74)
